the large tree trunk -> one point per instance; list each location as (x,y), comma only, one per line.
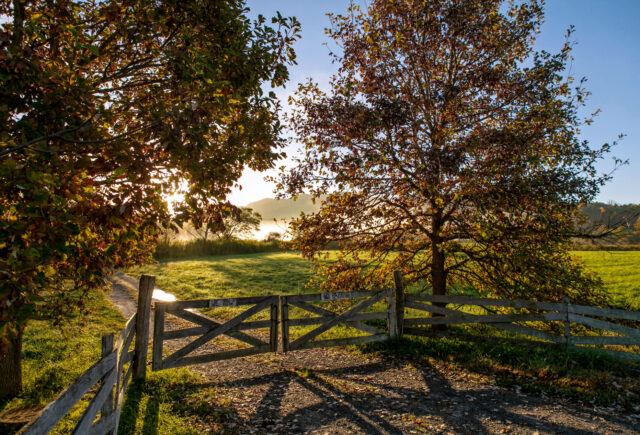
(11,369)
(438,272)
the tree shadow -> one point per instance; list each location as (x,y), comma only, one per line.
(365,398)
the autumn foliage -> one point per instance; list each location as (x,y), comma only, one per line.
(105,108)
(449,149)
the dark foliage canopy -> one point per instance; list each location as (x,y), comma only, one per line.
(105,108)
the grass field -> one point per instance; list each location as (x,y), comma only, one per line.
(287,272)
(620,271)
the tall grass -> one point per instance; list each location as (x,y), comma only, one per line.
(204,248)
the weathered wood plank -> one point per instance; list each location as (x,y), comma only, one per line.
(106,424)
(396,306)
(337,319)
(428,308)
(218,356)
(332,296)
(129,327)
(107,348)
(211,324)
(124,354)
(273,328)
(171,360)
(284,322)
(145,291)
(603,324)
(484,319)
(158,337)
(54,411)
(214,303)
(343,341)
(470,300)
(96,403)
(604,312)
(307,321)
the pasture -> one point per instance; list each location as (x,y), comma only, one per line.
(286,272)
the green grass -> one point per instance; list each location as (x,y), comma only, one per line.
(620,272)
(54,356)
(176,402)
(231,275)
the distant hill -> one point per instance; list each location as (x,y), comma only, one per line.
(271,208)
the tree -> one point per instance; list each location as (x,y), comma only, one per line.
(273,236)
(449,149)
(105,108)
(241,222)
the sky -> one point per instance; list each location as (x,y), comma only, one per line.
(607,53)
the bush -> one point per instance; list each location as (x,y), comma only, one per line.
(204,248)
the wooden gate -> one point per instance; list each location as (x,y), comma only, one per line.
(327,319)
(208,329)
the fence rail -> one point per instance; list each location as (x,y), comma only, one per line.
(565,313)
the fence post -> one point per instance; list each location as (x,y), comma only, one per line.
(273,329)
(567,323)
(158,336)
(284,322)
(396,307)
(145,291)
(107,348)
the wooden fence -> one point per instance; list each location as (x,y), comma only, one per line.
(525,318)
(209,329)
(110,376)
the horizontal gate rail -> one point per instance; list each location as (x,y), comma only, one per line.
(209,329)
(353,317)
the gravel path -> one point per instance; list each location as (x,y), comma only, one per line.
(335,391)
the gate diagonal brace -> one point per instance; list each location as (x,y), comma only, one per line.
(222,329)
(211,324)
(326,313)
(341,318)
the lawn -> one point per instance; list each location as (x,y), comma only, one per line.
(231,275)
(286,273)
(620,271)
